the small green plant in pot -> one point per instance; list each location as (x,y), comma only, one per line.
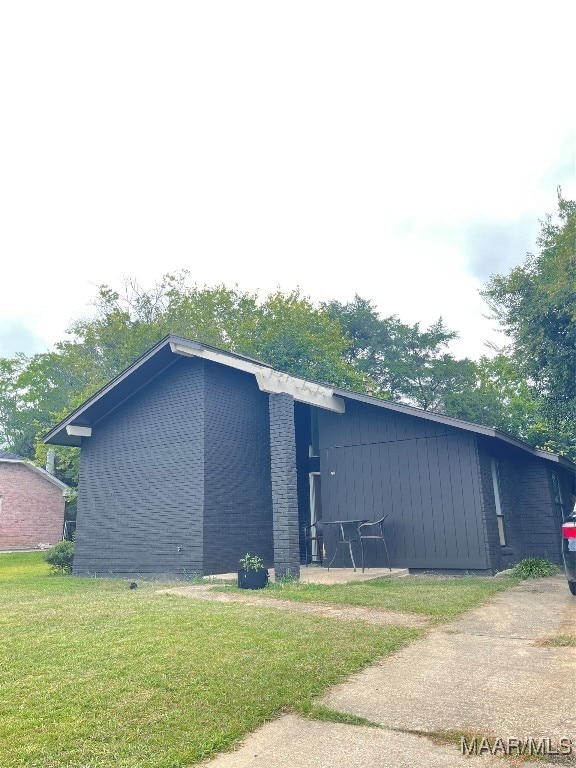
(252,574)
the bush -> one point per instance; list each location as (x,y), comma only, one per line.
(61,557)
(535,568)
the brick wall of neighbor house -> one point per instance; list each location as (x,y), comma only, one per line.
(530,520)
(32,508)
(237,485)
(141,491)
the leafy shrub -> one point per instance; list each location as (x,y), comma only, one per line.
(251,562)
(534,568)
(61,557)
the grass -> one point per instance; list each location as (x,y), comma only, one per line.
(559,641)
(328,715)
(94,675)
(441,599)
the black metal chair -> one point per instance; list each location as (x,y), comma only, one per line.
(314,533)
(373,531)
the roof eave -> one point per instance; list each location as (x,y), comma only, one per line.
(39,471)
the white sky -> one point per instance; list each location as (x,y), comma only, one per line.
(399,150)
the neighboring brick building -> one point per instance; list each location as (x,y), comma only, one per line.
(31,504)
(193,456)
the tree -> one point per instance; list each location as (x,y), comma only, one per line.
(535,303)
(285,330)
(406,363)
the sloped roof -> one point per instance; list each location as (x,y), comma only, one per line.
(168,351)
(6,455)
(11,458)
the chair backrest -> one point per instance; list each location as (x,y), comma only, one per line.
(372,524)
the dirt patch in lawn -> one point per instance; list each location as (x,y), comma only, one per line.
(343,612)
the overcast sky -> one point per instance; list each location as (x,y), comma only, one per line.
(399,150)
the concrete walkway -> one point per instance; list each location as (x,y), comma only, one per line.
(486,673)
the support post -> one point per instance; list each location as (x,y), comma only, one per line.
(284,487)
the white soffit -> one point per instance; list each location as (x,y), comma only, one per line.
(75,431)
(268,379)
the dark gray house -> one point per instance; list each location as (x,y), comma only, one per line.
(193,456)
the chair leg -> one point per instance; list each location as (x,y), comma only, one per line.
(387,553)
(351,555)
(333,557)
(362,552)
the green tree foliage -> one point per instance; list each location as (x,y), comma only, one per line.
(499,396)
(406,363)
(285,330)
(535,304)
(528,390)
(17,430)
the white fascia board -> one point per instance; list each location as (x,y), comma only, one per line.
(193,350)
(66,490)
(76,431)
(269,380)
(305,392)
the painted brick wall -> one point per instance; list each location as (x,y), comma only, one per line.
(525,493)
(32,508)
(238,492)
(540,524)
(284,485)
(141,491)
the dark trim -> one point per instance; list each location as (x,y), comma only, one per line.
(58,435)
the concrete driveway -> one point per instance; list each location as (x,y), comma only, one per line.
(489,673)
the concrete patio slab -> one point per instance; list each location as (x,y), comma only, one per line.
(314,574)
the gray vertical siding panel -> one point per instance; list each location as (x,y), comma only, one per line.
(422,473)
(426,542)
(141,492)
(445,480)
(436,512)
(474,526)
(461,489)
(238,491)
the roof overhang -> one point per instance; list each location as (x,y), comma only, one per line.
(268,379)
(80,424)
(451,421)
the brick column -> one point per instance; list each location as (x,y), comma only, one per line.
(284,492)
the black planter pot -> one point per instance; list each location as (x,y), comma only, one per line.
(253,579)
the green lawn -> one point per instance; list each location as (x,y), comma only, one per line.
(95,675)
(441,599)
